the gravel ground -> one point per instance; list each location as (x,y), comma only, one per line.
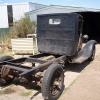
(20,92)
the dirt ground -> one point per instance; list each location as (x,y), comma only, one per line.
(20,91)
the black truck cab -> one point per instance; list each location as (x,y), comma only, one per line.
(59,34)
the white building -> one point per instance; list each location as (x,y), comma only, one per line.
(12,12)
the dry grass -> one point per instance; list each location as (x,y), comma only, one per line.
(9,52)
(5,52)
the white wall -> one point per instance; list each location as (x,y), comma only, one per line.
(31,6)
(19,10)
(34,6)
(3,17)
(39,6)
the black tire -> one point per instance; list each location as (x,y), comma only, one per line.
(93,54)
(5,58)
(54,70)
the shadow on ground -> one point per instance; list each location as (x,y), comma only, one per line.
(76,67)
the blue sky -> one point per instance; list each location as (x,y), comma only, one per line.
(80,3)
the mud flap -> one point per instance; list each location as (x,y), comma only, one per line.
(84,53)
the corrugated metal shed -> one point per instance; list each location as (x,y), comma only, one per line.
(59,9)
(18,11)
(34,6)
(3,16)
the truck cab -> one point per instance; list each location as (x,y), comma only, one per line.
(59,34)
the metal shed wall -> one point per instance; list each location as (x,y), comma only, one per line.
(58,9)
(39,6)
(19,10)
(48,10)
(31,7)
(3,17)
(34,6)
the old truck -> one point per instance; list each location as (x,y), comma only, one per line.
(59,36)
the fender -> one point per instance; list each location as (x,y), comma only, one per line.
(88,48)
(84,53)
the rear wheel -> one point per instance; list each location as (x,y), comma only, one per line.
(53,82)
(6,73)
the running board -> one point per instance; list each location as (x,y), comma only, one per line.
(79,59)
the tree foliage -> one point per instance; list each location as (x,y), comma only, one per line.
(22,27)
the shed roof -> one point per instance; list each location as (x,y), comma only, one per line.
(72,8)
(22,3)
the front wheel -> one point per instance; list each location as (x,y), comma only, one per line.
(53,82)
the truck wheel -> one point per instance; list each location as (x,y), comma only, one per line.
(53,82)
(4,58)
(93,54)
(4,70)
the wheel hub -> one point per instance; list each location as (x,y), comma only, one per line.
(56,83)
(7,73)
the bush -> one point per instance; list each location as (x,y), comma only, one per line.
(3,38)
(22,27)
(4,33)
